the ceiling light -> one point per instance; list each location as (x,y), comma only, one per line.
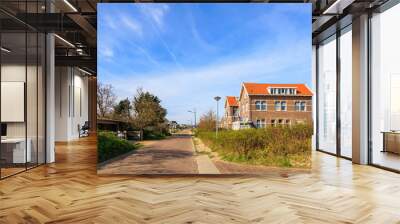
(65,41)
(5,50)
(84,71)
(337,7)
(70,5)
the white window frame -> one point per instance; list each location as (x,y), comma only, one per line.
(261,104)
(264,105)
(277,105)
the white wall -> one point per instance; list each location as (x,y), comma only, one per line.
(71,102)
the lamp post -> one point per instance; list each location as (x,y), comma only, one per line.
(217,98)
(194,112)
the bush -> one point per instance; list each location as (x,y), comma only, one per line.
(288,146)
(154,134)
(110,146)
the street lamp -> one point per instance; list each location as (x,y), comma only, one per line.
(194,112)
(217,98)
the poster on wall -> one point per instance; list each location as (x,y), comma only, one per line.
(204,88)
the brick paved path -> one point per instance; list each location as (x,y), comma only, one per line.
(174,155)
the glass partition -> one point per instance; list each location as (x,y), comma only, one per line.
(385,89)
(41,96)
(346,92)
(327,95)
(31,98)
(22,101)
(13,95)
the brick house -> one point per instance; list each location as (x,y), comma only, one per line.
(262,104)
(231,111)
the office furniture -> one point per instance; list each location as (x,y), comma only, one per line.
(13,150)
(391,141)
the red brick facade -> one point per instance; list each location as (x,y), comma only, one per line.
(263,107)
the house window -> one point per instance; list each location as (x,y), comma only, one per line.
(273,122)
(283,91)
(261,105)
(297,106)
(260,123)
(300,106)
(277,105)
(283,105)
(258,105)
(235,111)
(303,106)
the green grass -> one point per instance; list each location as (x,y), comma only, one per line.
(283,146)
(110,146)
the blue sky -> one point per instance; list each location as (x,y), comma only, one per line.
(188,53)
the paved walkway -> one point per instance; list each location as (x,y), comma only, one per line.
(174,155)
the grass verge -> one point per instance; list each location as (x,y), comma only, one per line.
(282,146)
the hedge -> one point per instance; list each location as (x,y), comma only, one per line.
(110,146)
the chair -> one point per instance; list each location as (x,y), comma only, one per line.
(84,130)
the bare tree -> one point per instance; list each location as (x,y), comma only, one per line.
(105,100)
(207,121)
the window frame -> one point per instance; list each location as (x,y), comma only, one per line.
(277,105)
(283,105)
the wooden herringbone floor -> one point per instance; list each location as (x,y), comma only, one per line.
(69,191)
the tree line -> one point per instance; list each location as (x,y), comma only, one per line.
(141,111)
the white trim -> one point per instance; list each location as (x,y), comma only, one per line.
(70,5)
(64,40)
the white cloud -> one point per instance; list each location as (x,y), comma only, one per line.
(132,24)
(156,12)
(106,52)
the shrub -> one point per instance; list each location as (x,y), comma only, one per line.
(154,134)
(288,146)
(110,146)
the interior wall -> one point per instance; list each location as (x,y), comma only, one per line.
(71,102)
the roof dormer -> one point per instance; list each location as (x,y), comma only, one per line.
(282,90)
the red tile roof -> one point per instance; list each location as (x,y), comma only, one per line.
(232,101)
(262,88)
